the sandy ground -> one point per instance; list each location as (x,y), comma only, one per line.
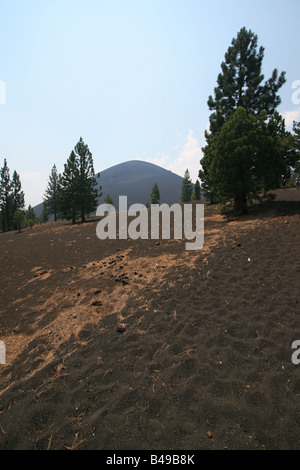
(126,344)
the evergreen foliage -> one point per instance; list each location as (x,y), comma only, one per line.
(11,197)
(196,196)
(187,187)
(51,193)
(256,147)
(77,193)
(108,200)
(19,219)
(155,195)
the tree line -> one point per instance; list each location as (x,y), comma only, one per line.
(11,198)
(248,150)
(69,195)
(189,191)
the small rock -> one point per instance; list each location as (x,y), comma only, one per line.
(121,328)
(97,303)
(98,291)
(209,434)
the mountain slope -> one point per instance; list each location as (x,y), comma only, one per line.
(135,179)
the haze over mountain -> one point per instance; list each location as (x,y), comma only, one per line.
(135,179)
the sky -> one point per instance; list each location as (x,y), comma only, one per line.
(131,77)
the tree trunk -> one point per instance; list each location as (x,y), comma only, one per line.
(240,203)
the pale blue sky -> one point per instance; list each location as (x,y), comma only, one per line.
(131,77)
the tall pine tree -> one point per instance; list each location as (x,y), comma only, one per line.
(87,192)
(77,192)
(51,193)
(196,196)
(240,85)
(155,195)
(11,197)
(187,187)
(6,198)
(68,197)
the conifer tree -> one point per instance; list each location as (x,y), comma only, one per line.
(77,192)
(30,216)
(11,197)
(17,193)
(187,187)
(45,213)
(51,193)
(6,202)
(68,195)
(235,166)
(88,194)
(196,196)
(240,82)
(155,195)
(19,219)
(240,85)
(108,200)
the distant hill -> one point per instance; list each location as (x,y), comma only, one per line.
(135,179)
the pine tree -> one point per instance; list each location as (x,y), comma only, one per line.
(276,150)
(235,167)
(196,196)
(6,201)
(155,195)
(187,187)
(17,193)
(68,194)
(30,216)
(240,85)
(77,192)
(108,200)
(44,217)
(51,193)
(88,194)
(19,219)
(11,197)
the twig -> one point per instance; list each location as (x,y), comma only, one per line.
(186,352)
(74,445)
(50,442)
(154,382)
